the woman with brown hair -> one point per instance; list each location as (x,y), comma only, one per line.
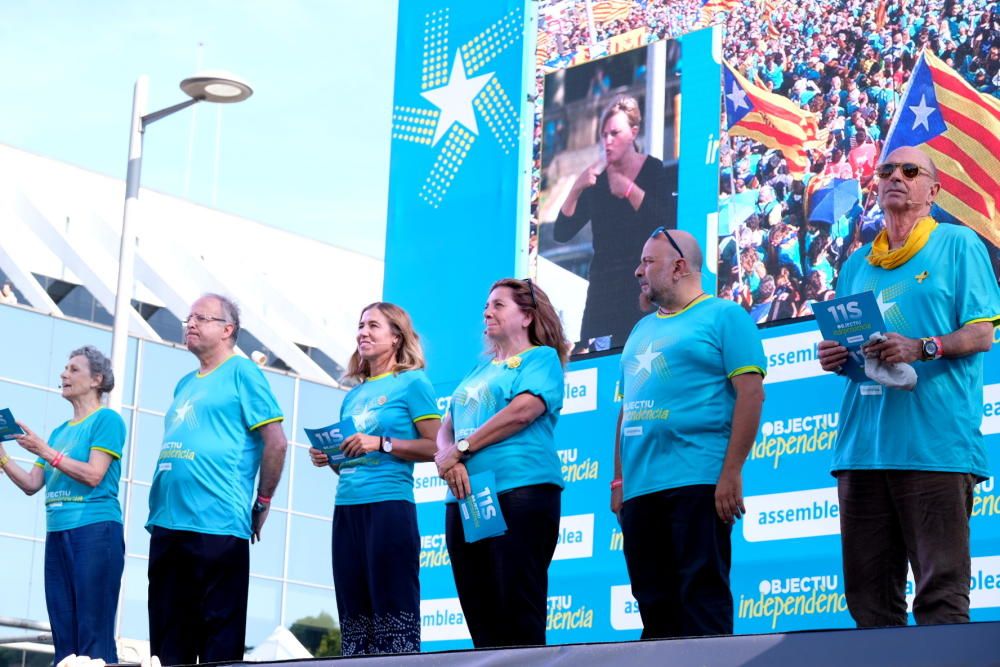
(624,200)
(376,546)
(502,419)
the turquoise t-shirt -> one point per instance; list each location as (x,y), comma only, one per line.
(678,400)
(529,456)
(204,479)
(69,503)
(388,405)
(949,283)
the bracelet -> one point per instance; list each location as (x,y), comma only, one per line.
(57,460)
(616,484)
(264,499)
(940,347)
(4,460)
(628,190)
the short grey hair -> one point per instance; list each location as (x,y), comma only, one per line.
(99,365)
(229,310)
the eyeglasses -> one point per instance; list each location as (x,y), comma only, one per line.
(195,318)
(531,291)
(669,238)
(910,170)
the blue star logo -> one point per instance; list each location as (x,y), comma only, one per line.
(458,90)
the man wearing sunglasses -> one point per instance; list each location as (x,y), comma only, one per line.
(906,462)
(692,376)
(221,428)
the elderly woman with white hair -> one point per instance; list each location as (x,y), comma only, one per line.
(80,467)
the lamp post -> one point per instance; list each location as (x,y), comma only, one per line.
(211,86)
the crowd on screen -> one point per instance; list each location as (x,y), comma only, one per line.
(839,60)
(569,27)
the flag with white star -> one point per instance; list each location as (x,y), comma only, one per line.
(773,120)
(959,128)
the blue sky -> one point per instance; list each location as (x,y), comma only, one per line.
(309,152)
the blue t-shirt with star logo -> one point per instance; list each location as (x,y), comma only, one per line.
(949,283)
(204,479)
(677,402)
(388,405)
(71,504)
(529,456)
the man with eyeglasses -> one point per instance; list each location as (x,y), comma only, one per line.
(906,462)
(221,428)
(691,375)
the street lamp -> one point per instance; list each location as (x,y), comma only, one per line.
(210,86)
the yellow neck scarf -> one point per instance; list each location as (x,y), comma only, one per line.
(880,254)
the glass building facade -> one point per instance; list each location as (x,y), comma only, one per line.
(290,568)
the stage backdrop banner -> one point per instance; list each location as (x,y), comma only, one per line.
(459,195)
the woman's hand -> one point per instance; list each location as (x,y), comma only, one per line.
(447,458)
(360,444)
(618,183)
(588,178)
(31,442)
(318,458)
(458,481)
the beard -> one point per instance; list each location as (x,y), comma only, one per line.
(646,303)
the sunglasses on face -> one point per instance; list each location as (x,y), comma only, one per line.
(662,229)
(909,170)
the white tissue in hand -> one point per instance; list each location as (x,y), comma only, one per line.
(68,661)
(894,376)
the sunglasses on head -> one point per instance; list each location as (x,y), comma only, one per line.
(669,238)
(531,292)
(910,170)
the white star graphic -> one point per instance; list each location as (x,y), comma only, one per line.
(738,98)
(182,410)
(362,418)
(921,113)
(646,358)
(884,306)
(474,392)
(454,99)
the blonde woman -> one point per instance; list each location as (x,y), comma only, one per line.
(624,197)
(376,546)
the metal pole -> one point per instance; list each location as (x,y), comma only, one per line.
(126,253)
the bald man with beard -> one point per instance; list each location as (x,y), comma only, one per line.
(692,376)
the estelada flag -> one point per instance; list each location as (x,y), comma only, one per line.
(959,128)
(712,8)
(771,119)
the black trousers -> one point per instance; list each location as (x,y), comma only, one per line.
(198,587)
(891,517)
(678,554)
(376,575)
(503,581)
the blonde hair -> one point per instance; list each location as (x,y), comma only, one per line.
(628,106)
(546,328)
(409,354)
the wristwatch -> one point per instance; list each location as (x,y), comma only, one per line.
(929,349)
(462,445)
(259,507)
(386,445)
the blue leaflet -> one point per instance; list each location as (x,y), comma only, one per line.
(8,427)
(480,510)
(850,321)
(328,439)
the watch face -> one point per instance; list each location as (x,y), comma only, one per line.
(387,445)
(463,445)
(930,349)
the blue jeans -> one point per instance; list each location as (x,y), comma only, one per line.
(83,574)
